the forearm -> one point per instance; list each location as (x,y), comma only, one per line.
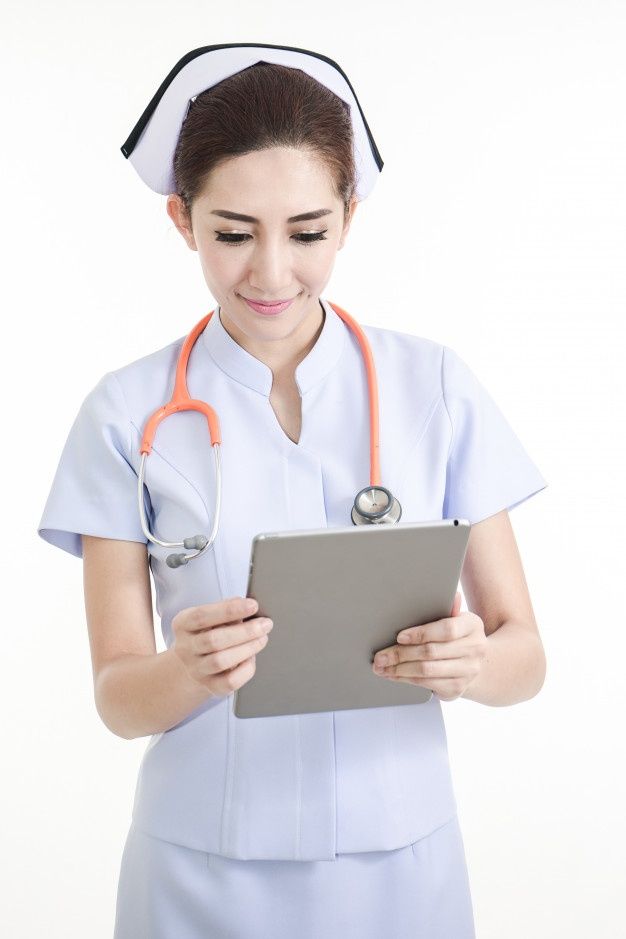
(139,695)
(513,670)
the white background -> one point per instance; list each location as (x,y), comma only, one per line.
(497,227)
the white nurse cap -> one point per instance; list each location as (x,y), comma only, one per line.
(152,142)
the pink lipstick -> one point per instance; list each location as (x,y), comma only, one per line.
(268,309)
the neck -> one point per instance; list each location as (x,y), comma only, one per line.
(282,356)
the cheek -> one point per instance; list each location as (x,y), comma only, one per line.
(317,262)
(219,266)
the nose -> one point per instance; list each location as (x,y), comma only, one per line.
(271,269)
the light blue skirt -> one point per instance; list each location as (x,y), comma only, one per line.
(421,891)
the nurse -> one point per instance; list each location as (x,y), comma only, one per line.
(318,825)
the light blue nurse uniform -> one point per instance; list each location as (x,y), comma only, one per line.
(338,823)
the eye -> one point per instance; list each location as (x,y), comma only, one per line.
(303,238)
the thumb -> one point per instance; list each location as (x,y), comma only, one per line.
(456,606)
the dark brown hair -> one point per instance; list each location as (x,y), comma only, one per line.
(265,105)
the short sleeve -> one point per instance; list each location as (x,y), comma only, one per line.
(94,490)
(488,468)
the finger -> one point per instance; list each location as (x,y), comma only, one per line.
(226,659)
(455,649)
(234,610)
(433,668)
(442,630)
(221,637)
(227,682)
(395,655)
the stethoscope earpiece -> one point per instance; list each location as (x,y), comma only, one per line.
(195,543)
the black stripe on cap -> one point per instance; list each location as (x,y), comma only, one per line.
(129,145)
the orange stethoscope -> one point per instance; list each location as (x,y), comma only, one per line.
(373,505)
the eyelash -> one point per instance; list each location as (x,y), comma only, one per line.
(304,238)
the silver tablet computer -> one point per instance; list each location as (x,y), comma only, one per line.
(338,595)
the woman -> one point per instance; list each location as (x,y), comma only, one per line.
(316,825)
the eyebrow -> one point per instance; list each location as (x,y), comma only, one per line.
(238,217)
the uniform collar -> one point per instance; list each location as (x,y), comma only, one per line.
(245,368)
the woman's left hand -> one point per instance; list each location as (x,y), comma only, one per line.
(445,656)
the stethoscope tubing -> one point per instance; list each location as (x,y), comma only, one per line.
(182,401)
(194,541)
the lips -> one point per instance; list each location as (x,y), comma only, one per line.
(269,309)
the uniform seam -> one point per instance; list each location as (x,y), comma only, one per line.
(299,774)
(234,378)
(445,402)
(127,415)
(228,784)
(420,436)
(422,430)
(434,830)
(155,449)
(285,462)
(182,475)
(451,442)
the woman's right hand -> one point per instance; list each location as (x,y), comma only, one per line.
(216,647)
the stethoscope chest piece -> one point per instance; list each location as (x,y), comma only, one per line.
(375,505)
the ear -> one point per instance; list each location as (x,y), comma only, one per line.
(176,210)
(348,222)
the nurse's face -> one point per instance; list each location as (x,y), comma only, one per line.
(266,255)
